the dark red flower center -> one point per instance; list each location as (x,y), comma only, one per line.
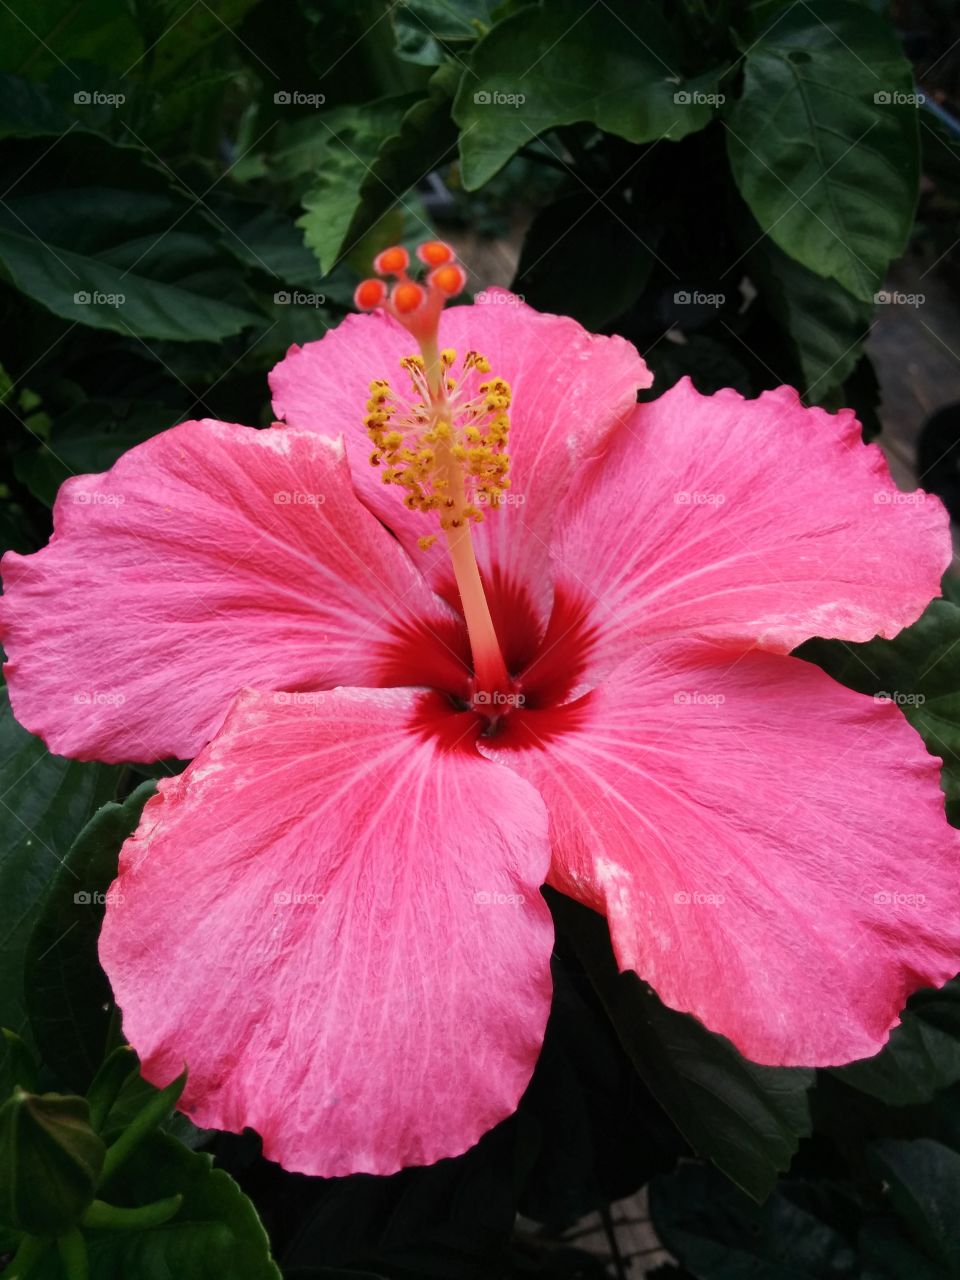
(544,667)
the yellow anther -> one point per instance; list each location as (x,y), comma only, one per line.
(446,446)
(427,541)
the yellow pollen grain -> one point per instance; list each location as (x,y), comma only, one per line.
(445,449)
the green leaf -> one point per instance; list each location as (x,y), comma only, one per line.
(811,146)
(45,801)
(561,271)
(922,1179)
(175,32)
(922,1056)
(107,1217)
(136,1098)
(158,35)
(448,1221)
(105,1088)
(17,1065)
(588,1132)
(50,1161)
(89,438)
(86,288)
(615,66)
(340,148)
(99,238)
(710,362)
(748,1119)
(374,155)
(715,1231)
(423,27)
(216,1234)
(30,110)
(68,998)
(919,670)
(827,324)
(156,1109)
(57,32)
(264,239)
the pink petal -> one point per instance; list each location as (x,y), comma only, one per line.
(395,1012)
(209,557)
(570,388)
(769,847)
(747,520)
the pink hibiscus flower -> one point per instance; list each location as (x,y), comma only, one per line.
(408,718)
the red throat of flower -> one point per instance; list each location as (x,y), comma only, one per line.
(443,441)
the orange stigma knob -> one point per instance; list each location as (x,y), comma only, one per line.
(435,253)
(450,279)
(407,297)
(391,262)
(369,294)
(416,304)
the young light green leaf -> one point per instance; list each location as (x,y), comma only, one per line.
(374,155)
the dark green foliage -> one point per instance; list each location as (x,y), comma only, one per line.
(189,188)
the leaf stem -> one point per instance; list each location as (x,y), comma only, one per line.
(29,1253)
(73,1255)
(156,1110)
(101,1216)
